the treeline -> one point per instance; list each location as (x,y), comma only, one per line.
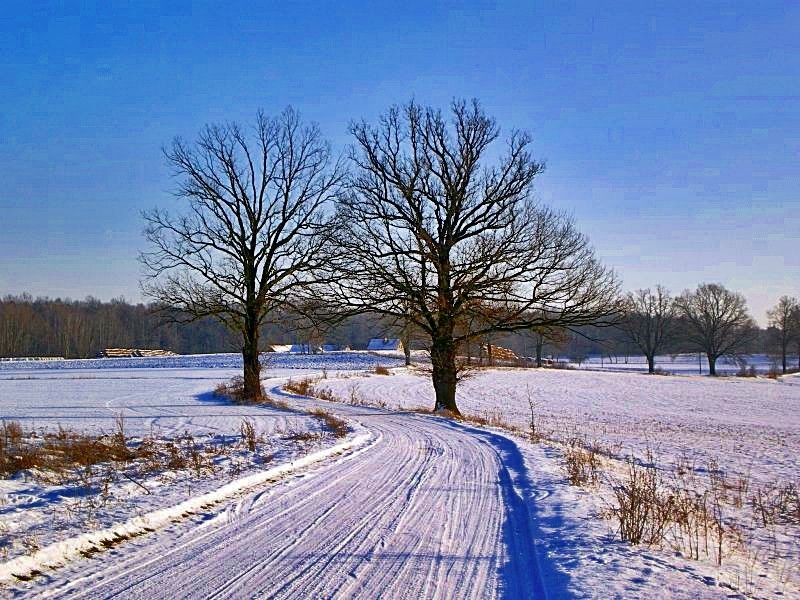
(82,328)
(710,320)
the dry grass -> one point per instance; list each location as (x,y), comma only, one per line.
(335,425)
(582,464)
(234,390)
(247,430)
(745,371)
(381,370)
(301,387)
(777,504)
(66,457)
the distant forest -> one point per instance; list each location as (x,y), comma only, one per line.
(82,328)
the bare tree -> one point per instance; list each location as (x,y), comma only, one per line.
(784,318)
(547,335)
(429,230)
(649,321)
(717,321)
(253,228)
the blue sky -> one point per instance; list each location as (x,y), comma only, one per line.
(671,133)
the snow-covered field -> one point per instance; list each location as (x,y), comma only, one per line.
(417,505)
(685,364)
(270,360)
(165,404)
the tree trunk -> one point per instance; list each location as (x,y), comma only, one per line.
(252,366)
(443,361)
(712,365)
(407,351)
(651,364)
(783,357)
(539,347)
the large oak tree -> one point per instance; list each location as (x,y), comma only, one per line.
(440,228)
(649,321)
(717,321)
(252,227)
(785,318)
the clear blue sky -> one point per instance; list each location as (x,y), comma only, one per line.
(671,133)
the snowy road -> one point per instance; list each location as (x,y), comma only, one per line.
(427,509)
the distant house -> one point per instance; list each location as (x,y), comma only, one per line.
(385,345)
(279,348)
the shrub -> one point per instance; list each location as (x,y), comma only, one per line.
(644,507)
(381,370)
(582,465)
(247,429)
(302,387)
(745,371)
(234,390)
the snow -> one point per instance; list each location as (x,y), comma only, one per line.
(163,403)
(55,554)
(748,429)
(413,505)
(269,360)
(683,364)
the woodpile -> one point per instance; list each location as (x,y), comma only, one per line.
(498,352)
(134,353)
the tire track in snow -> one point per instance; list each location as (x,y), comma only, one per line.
(427,511)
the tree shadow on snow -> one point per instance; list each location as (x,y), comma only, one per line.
(528,572)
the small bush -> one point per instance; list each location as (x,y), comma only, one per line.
(745,371)
(234,390)
(12,432)
(247,429)
(582,465)
(644,507)
(381,370)
(300,387)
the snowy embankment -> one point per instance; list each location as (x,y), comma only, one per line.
(743,433)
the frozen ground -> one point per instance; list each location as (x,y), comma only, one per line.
(425,508)
(418,507)
(747,425)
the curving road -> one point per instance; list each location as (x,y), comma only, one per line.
(426,509)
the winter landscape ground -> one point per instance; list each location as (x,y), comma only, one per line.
(406,504)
